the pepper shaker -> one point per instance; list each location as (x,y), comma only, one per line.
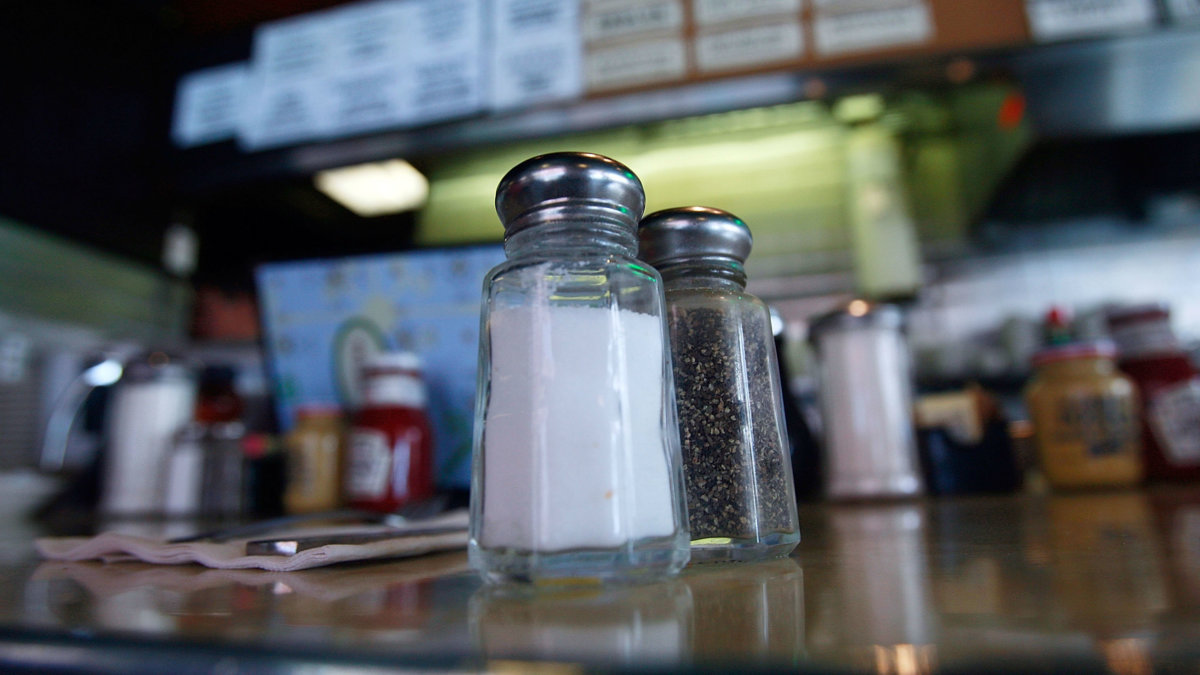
(577,470)
(740,495)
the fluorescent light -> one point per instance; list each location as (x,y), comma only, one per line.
(375,189)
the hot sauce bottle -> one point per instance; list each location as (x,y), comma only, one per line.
(1169,385)
(390,451)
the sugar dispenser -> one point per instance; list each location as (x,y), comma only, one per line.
(576,468)
(866,403)
(740,495)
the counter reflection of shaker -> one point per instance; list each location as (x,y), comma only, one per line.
(866,403)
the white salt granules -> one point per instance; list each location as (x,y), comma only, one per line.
(574,445)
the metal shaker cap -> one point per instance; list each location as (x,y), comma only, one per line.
(690,233)
(857,314)
(577,186)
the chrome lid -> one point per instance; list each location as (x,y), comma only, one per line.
(691,233)
(857,314)
(576,186)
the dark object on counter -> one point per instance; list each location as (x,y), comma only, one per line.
(805,450)
(216,398)
(265,476)
(736,460)
(1168,384)
(964,444)
(955,468)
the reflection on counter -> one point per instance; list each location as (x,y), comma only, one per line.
(648,624)
(1098,581)
(753,611)
(876,607)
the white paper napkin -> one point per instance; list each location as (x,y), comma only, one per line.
(112,546)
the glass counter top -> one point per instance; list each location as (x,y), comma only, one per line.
(1101,582)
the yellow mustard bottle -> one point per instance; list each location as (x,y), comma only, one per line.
(1085,417)
(314,460)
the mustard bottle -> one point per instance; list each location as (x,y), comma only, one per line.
(1085,417)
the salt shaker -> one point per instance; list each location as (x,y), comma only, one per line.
(577,470)
(740,496)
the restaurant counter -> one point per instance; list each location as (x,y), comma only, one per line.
(1104,582)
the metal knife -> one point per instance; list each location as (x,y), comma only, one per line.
(286,546)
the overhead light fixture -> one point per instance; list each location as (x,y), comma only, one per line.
(375,189)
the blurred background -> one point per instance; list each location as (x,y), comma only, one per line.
(273,190)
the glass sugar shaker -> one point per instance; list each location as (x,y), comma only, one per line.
(740,494)
(577,469)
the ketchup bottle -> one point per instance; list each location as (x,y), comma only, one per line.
(1169,385)
(390,452)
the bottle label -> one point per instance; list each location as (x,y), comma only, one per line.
(401,460)
(1174,415)
(1105,425)
(369,467)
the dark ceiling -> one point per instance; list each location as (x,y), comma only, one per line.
(87,91)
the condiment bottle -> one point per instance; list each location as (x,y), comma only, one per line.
(1085,417)
(576,469)
(866,403)
(1169,385)
(740,496)
(390,449)
(217,399)
(314,459)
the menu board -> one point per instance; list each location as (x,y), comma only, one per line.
(712,12)
(631,43)
(446,55)
(401,64)
(208,105)
(743,47)
(368,83)
(607,20)
(537,52)
(291,64)
(362,67)
(1060,19)
(847,26)
(1184,10)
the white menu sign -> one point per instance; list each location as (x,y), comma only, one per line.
(748,47)
(537,52)
(709,12)
(841,27)
(286,101)
(447,51)
(363,67)
(1184,9)
(635,64)
(208,105)
(368,74)
(616,19)
(1059,19)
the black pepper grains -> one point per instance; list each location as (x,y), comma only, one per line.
(733,450)
(737,470)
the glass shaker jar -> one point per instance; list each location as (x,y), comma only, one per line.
(866,403)
(576,469)
(1085,417)
(736,466)
(390,450)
